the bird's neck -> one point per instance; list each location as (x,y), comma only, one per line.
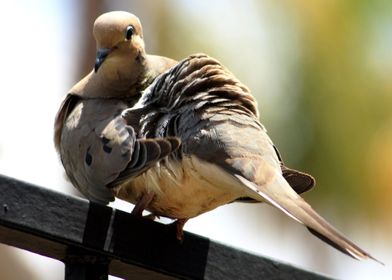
(120,79)
(124,80)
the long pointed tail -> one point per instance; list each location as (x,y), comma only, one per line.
(281,195)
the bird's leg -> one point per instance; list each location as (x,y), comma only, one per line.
(179,227)
(142,204)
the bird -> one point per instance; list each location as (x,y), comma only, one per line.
(170,143)
(225,154)
(90,135)
(93,140)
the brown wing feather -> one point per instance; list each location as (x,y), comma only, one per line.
(216,118)
(66,107)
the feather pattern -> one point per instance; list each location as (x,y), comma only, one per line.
(225,152)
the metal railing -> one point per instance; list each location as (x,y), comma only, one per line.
(95,241)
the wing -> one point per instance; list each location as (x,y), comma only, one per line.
(216,118)
(98,148)
(195,89)
(66,107)
(300,181)
(146,153)
(244,151)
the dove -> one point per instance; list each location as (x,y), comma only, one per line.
(225,153)
(94,141)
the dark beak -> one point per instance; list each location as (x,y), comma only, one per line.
(100,58)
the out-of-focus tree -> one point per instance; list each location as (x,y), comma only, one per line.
(345,99)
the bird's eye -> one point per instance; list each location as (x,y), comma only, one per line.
(129,32)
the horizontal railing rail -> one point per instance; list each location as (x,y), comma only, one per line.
(95,241)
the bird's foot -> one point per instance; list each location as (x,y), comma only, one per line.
(179,228)
(142,204)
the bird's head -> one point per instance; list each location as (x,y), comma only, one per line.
(120,45)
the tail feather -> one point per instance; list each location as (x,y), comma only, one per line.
(279,194)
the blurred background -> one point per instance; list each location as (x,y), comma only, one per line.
(320,70)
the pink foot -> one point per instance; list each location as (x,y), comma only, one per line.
(179,227)
(142,204)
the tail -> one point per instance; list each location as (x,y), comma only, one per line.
(279,194)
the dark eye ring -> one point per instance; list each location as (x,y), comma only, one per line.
(129,32)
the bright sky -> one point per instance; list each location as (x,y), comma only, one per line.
(34,53)
(36,62)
